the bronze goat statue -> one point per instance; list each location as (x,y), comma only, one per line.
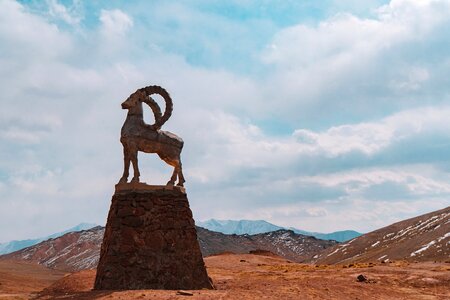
(136,135)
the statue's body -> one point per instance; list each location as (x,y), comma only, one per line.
(136,135)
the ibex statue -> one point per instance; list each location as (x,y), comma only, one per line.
(136,135)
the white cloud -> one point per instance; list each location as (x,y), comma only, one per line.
(357,180)
(21,32)
(348,41)
(113,41)
(115,22)
(60,11)
(360,68)
(371,138)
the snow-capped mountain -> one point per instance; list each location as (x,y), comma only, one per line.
(340,236)
(12,246)
(238,226)
(261,226)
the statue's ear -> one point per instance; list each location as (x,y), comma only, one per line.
(142,94)
(136,96)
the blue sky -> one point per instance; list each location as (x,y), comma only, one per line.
(320,115)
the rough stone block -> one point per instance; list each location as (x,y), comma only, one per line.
(150,242)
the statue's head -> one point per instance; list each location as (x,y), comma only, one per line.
(134,99)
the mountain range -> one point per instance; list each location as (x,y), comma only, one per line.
(261,226)
(80,250)
(224,226)
(422,238)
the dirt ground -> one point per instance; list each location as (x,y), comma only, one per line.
(250,276)
(20,280)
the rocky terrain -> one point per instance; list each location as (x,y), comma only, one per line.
(80,250)
(423,238)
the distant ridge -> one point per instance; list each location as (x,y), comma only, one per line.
(422,238)
(80,250)
(13,246)
(261,226)
(340,236)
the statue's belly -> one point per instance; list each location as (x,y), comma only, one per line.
(159,138)
(149,145)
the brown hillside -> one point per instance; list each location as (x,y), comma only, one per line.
(423,238)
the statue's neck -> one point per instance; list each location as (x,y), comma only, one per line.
(136,110)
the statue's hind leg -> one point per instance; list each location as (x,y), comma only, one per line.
(176,164)
(181,180)
(171,182)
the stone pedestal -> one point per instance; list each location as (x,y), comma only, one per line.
(150,242)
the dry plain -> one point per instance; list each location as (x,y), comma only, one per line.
(248,276)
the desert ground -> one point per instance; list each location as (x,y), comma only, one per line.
(247,276)
(21,280)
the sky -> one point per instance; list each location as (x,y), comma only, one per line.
(320,115)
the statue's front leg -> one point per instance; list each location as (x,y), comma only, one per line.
(134,160)
(126,166)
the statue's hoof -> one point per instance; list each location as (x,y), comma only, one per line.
(134,180)
(180,184)
(122,181)
(170,183)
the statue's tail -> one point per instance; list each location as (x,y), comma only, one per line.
(159,119)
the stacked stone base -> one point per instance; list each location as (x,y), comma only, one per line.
(150,242)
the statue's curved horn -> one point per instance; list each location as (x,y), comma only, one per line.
(159,119)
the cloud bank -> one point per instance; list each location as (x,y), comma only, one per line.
(330,118)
